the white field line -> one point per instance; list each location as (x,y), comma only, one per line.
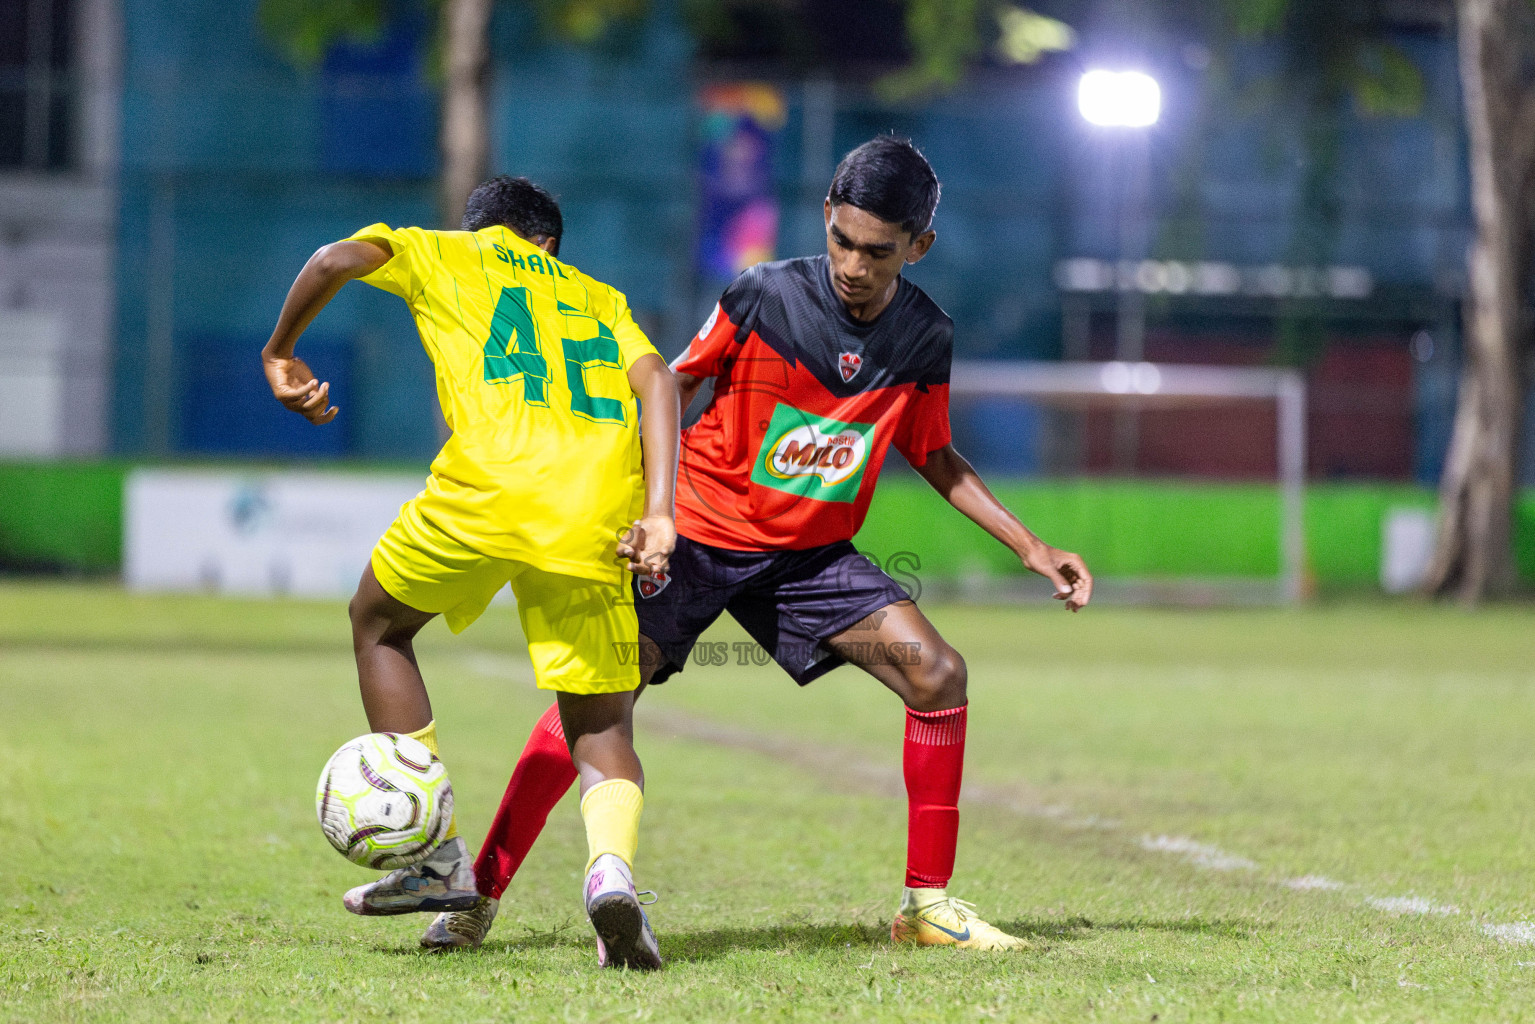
(853,772)
(1522,932)
(1201,855)
(1400,905)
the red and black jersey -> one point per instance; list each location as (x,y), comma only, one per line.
(807,400)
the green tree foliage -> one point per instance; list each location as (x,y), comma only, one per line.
(947,36)
(736,30)
(305,28)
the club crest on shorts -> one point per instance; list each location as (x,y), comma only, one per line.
(650,586)
(849,363)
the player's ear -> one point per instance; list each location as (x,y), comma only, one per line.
(826,212)
(547,243)
(920,245)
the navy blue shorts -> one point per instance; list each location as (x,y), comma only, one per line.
(789,601)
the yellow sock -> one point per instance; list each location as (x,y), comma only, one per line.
(427,736)
(611,810)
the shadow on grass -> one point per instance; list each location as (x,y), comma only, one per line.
(1072,929)
(787,939)
(691,946)
(808,938)
(565,934)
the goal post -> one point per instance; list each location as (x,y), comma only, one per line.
(1135,386)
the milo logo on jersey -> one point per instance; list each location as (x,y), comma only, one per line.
(812,456)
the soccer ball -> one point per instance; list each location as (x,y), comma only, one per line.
(384,801)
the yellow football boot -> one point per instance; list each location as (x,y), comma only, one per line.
(930,917)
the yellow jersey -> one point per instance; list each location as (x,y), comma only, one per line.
(531,357)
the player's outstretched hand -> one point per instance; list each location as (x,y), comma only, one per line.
(648,545)
(1073,583)
(294,385)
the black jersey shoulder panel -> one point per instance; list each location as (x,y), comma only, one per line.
(791,307)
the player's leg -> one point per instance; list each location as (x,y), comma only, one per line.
(826,606)
(383,630)
(544,774)
(902,649)
(581,639)
(675,611)
(600,728)
(415,574)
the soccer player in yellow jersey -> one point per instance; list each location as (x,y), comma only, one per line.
(546,382)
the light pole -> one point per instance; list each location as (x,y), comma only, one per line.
(1126,103)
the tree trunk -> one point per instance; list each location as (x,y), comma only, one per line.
(465,105)
(1473,557)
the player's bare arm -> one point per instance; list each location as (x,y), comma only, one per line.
(293,383)
(952,476)
(648,545)
(688,387)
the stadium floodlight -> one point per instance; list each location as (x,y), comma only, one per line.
(1119,99)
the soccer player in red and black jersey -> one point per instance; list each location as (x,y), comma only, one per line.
(819,366)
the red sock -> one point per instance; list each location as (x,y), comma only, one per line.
(934,761)
(543,774)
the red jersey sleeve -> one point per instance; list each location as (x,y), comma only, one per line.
(924,424)
(924,427)
(709,353)
(705,355)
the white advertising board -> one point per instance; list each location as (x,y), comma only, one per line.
(1407,548)
(299,533)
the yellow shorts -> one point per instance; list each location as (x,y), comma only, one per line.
(582,634)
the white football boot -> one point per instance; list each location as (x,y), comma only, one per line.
(461,929)
(624,935)
(444,881)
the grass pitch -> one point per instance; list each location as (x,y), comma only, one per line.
(1256,815)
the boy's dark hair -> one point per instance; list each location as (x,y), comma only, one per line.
(890,178)
(517,203)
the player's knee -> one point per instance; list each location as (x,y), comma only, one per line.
(938,681)
(355,611)
(364,620)
(371,624)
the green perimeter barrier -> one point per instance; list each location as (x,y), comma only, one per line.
(1148,529)
(68,516)
(61,516)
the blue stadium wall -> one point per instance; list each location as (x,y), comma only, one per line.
(236,166)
